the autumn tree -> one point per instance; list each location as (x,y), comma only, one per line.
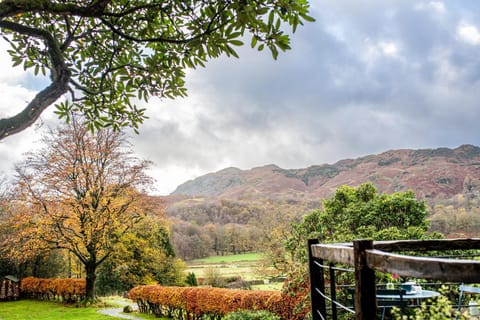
(81,192)
(144,255)
(107,53)
(7,266)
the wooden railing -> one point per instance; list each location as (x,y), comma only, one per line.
(367,256)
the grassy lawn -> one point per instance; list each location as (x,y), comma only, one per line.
(44,310)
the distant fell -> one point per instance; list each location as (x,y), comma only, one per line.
(431,173)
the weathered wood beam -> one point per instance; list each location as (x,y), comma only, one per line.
(455,270)
(334,253)
(428,245)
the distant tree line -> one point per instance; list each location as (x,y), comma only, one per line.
(192,241)
(221,227)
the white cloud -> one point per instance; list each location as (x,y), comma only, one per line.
(9,74)
(14,98)
(429,6)
(375,50)
(388,48)
(168,178)
(468,33)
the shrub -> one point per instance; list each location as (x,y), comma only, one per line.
(239,284)
(251,315)
(127,309)
(67,290)
(197,303)
(442,309)
(191,280)
(213,278)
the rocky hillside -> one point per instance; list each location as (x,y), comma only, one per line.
(433,174)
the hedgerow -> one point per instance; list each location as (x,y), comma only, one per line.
(67,290)
(195,303)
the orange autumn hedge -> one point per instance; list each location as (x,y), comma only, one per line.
(194,303)
(68,290)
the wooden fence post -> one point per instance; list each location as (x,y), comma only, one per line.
(365,300)
(317,282)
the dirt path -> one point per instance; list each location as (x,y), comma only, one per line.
(117,312)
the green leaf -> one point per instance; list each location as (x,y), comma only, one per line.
(236,42)
(16,61)
(254,42)
(27,64)
(274,51)
(308,18)
(262,11)
(231,51)
(271,17)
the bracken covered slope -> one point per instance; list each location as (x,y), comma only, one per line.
(433,174)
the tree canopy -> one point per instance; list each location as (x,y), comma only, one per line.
(109,53)
(82,192)
(361,212)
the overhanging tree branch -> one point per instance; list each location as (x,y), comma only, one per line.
(157,41)
(59,73)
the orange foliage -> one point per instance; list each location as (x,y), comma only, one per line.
(194,302)
(69,290)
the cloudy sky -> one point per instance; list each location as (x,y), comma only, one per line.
(368,76)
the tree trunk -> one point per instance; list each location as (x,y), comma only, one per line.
(90,269)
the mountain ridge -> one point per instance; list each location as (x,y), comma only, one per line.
(431,173)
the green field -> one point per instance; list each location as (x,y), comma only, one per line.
(239,265)
(248,266)
(46,310)
(246,257)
